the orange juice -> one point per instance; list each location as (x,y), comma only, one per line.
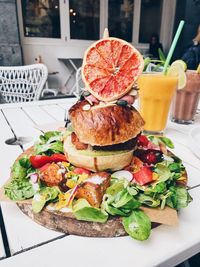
(155,95)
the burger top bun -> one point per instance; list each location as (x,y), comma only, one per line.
(106,125)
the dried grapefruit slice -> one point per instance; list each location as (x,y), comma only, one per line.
(110,68)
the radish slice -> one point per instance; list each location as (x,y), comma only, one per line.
(123,175)
(152,146)
(72,195)
(167,158)
(34,178)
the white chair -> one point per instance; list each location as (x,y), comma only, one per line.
(22,83)
(79,82)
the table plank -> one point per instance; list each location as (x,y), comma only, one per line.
(22,232)
(55,111)
(7,156)
(8,153)
(2,250)
(63,101)
(69,104)
(182,147)
(193,174)
(22,125)
(39,115)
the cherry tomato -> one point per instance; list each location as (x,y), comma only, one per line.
(58,157)
(40,160)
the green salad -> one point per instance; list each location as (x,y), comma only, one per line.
(156,178)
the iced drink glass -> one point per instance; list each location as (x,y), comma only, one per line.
(156,91)
(186,100)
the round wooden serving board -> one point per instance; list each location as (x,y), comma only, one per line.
(66,223)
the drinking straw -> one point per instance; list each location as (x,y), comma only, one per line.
(171,50)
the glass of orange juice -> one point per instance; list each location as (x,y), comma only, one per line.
(156,91)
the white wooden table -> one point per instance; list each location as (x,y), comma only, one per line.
(33,245)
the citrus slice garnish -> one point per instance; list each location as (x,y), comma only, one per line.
(198,69)
(177,71)
(110,68)
(180,63)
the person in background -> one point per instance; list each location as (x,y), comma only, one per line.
(192,53)
(154,45)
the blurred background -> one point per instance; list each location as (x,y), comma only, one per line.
(57,32)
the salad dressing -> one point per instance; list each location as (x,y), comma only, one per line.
(37,197)
(95,180)
(95,164)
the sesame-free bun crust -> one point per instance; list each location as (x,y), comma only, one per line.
(106,125)
(83,159)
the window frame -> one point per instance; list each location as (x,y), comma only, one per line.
(102,24)
(166,28)
(41,40)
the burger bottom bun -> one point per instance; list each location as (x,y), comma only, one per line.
(115,160)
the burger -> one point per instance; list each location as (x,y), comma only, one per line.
(103,136)
(105,125)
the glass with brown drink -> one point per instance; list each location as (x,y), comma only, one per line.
(186,100)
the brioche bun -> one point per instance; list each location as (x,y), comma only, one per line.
(97,160)
(106,125)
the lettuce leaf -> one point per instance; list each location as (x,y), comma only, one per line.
(19,189)
(114,211)
(137,225)
(179,197)
(118,200)
(176,167)
(43,196)
(80,203)
(116,187)
(121,199)
(20,168)
(55,147)
(167,142)
(50,142)
(91,214)
(163,172)
(148,201)
(49,135)
(83,211)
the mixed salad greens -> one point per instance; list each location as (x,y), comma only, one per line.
(155,178)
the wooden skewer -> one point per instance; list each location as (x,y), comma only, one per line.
(192,187)
(105,33)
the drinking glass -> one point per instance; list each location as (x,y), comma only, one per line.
(156,91)
(186,100)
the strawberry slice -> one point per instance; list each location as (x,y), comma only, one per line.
(149,156)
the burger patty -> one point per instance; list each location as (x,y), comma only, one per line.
(130,144)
